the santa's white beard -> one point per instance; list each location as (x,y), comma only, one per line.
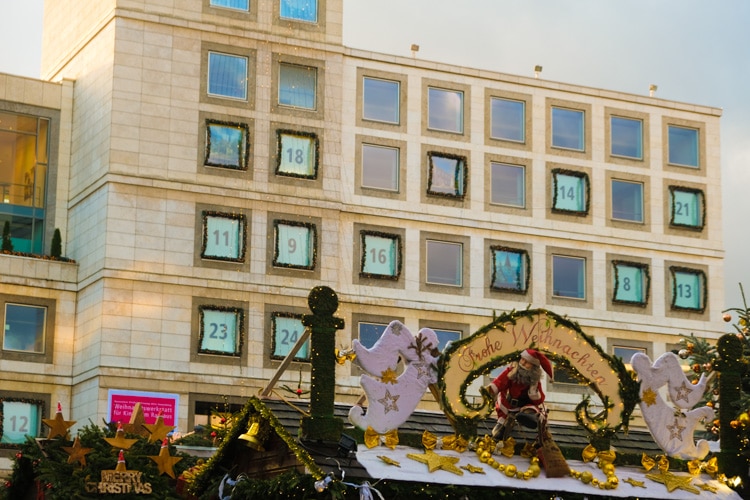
(526,377)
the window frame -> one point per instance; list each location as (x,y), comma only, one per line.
(397,166)
(214,95)
(697,146)
(523,169)
(701,196)
(47,356)
(586,191)
(42,401)
(460,174)
(307,345)
(703,288)
(241,237)
(522,123)
(396,239)
(242,160)
(459,266)
(645,279)
(395,122)
(582,140)
(584,273)
(612,141)
(312,244)
(314,70)
(239,330)
(298,19)
(612,182)
(524,256)
(315,152)
(229,7)
(461,119)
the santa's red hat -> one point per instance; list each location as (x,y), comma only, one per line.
(537,358)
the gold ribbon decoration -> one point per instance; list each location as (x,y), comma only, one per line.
(589,453)
(694,467)
(606,457)
(372,438)
(455,443)
(647,462)
(429,440)
(711,467)
(663,464)
(344,356)
(509,447)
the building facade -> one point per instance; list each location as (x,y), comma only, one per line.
(208,162)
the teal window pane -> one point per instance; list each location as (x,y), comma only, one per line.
(447,174)
(24,328)
(630,283)
(444,263)
(627,201)
(445,336)
(227,75)
(508,184)
(226,145)
(687,207)
(570,193)
(688,290)
(224,237)
(294,246)
(568,277)
(297,155)
(508,119)
(509,269)
(380,255)
(297,86)
(20,419)
(626,137)
(299,10)
(369,333)
(220,331)
(380,100)
(380,167)
(568,129)
(232,4)
(683,146)
(287,329)
(445,110)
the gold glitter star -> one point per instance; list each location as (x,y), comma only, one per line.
(635,483)
(389,402)
(165,461)
(77,452)
(158,430)
(120,441)
(708,487)
(389,460)
(473,469)
(682,393)
(435,462)
(673,481)
(675,430)
(58,426)
(649,396)
(388,376)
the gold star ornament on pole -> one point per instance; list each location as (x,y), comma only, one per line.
(77,453)
(58,426)
(164,461)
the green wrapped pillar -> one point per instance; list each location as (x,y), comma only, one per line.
(731,367)
(321,424)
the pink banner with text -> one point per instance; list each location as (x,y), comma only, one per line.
(121,403)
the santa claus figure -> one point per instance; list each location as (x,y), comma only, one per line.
(517,392)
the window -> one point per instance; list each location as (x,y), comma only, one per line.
(627,201)
(508,184)
(626,353)
(683,146)
(24,143)
(444,263)
(295,244)
(380,167)
(227,75)
(381,255)
(287,328)
(445,336)
(380,100)
(21,418)
(227,145)
(568,277)
(445,110)
(299,10)
(570,191)
(25,326)
(688,289)
(297,154)
(687,207)
(510,269)
(369,333)
(223,236)
(626,137)
(568,129)
(220,330)
(447,175)
(297,86)
(508,119)
(631,283)
(232,4)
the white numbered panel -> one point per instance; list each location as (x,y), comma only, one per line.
(220,331)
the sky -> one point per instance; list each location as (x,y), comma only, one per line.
(693,50)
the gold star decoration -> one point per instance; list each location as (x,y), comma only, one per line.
(473,469)
(649,396)
(675,430)
(389,402)
(682,393)
(77,452)
(634,483)
(673,481)
(158,430)
(388,376)
(708,487)
(135,425)
(435,462)
(165,461)
(389,460)
(58,426)
(120,441)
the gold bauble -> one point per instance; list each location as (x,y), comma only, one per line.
(594,481)
(535,470)
(608,469)
(519,474)
(586,477)
(527,475)
(510,470)
(485,457)
(534,460)
(500,467)
(495,465)
(743,419)
(613,481)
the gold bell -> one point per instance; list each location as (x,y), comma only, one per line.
(251,436)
